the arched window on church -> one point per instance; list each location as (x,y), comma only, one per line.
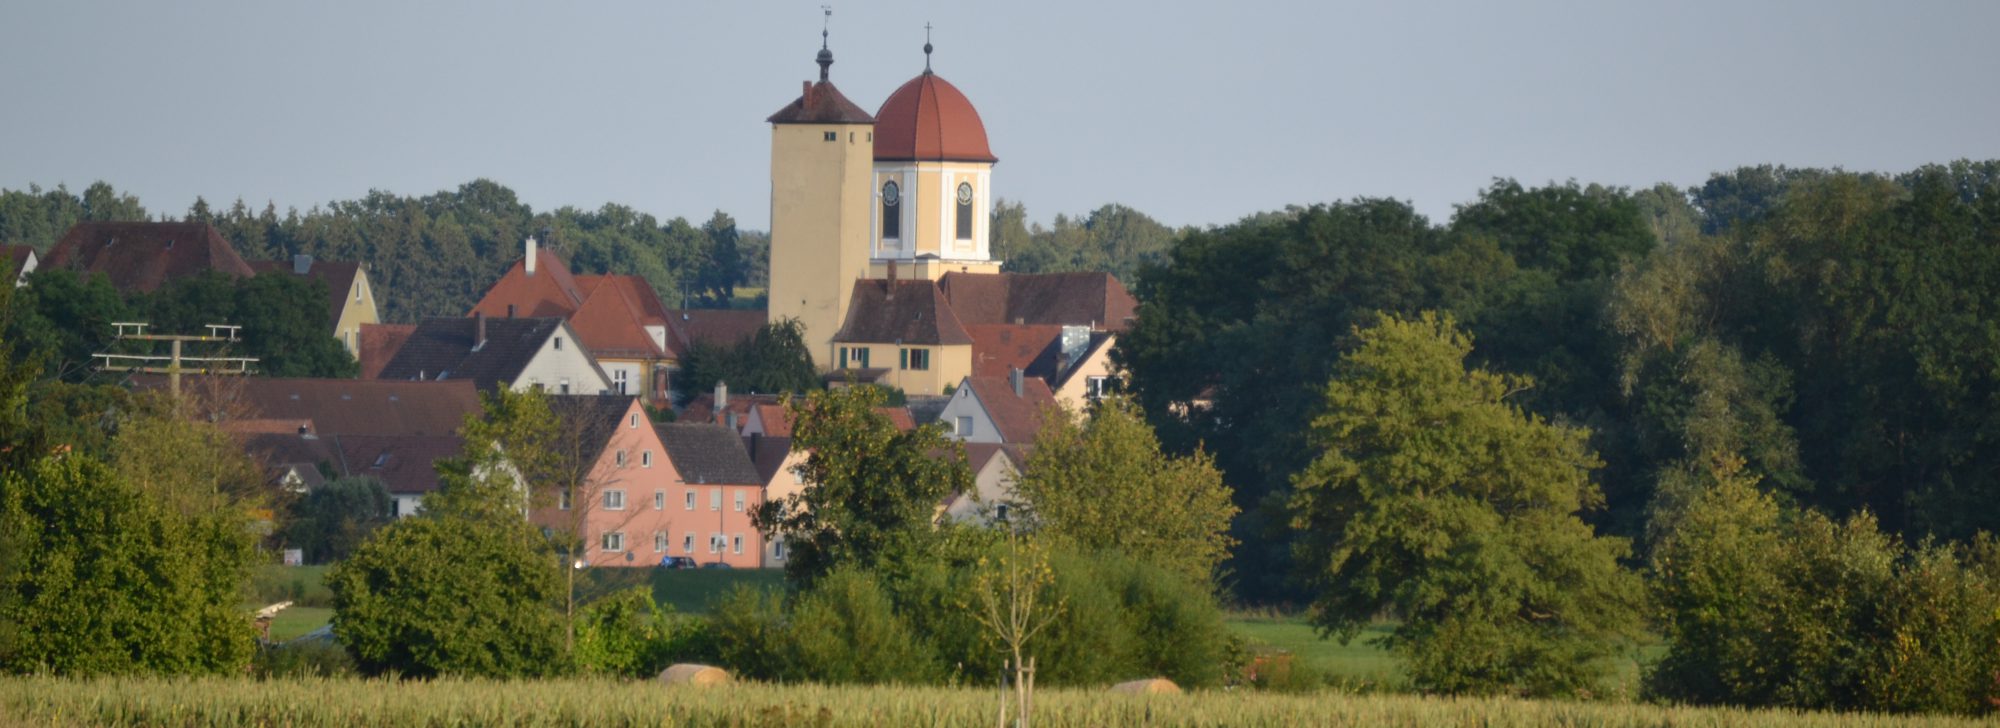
(965,211)
(892,220)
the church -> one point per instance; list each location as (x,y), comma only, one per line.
(880,248)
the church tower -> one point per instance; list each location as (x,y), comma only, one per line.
(822,155)
(932,182)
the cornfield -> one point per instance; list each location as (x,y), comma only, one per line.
(345,703)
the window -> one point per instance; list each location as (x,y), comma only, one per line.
(1000,513)
(687,543)
(1096,387)
(690,499)
(558,343)
(965,211)
(833,136)
(619,458)
(916,359)
(715,544)
(659,542)
(618,380)
(739,501)
(563,388)
(510,310)
(715,499)
(859,358)
(614,500)
(965,426)
(631,420)
(646,459)
(778,550)
(736,543)
(562,500)
(614,541)
(892,216)
(357,293)
(659,500)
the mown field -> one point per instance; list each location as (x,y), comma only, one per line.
(347,703)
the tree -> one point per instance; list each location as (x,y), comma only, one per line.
(1436,500)
(104,579)
(868,486)
(335,518)
(446,594)
(775,360)
(1084,477)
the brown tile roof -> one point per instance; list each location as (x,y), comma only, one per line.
(338,274)
(18,255)
(551,291)
(1017,418)
(405,465)
(778,422)
(768,454)
(337,406)
(1096,300)
(708,454)
(909,312)
(442,348)
(595,418)
(379,344)
(999,348)
(702,408)
(634,287)
(821,103)
(611,324)
(977,454)
(714,326)
(142,256)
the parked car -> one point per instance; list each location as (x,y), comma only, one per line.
(715,565)
(677,562)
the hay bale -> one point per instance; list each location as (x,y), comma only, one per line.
(697,675)
(1155,686)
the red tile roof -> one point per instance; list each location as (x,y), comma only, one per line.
(931,120)
(1017,417)
(977,454)
(702,408)
(611,324)
(1000,348)
(550,292)
(142,256)
(634,287)
(821,103)
(778,422)
(379,344)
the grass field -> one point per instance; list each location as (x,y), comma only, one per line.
(346,703)
(1358,662)
(295,621)
(689,591)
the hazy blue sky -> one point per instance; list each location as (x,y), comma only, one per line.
(1195,113)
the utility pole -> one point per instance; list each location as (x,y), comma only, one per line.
(176,362)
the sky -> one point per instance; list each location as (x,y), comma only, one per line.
(1193,113)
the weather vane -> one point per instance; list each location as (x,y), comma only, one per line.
(824,24)
(927,46)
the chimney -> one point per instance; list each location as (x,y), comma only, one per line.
(478,330)
(302,264)
(529,261)
(1014,378)
(721,396)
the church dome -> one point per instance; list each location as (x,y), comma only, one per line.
(929,120)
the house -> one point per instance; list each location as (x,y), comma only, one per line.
(140,257)
(994,470)
(329,406)
(998,409)
(776,462)
(22,260)
(720,489)
(1075,361)
(406,464)
(350,298)
(721,407)
(711,326)
(379,344)
(618,318)
(624,508)
(518,353)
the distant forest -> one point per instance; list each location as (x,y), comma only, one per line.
(435,255)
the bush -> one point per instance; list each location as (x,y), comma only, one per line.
(329,522)
(433,595)
(305,657)
(1177,624)
(747,626)
(628,634)
(847,631)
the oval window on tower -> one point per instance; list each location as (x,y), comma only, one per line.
(965,211)
(892,220)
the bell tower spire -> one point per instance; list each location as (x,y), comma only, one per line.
(825,55)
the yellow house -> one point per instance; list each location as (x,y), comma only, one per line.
(350,302)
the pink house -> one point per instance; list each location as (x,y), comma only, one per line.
(716,490)
(625,511)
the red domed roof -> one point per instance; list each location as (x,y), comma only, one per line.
(928,119)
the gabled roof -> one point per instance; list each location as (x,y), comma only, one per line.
(336,406)
(713,326)
(1057,372)
(17,255)
(1096,300)
(339,276)
(443,348)
(550,291)
(634,287)
(405,465)
(1016,417)
(142,256)
(768,454)
(379,344)
(978,454)
(778,422)
(908,312)
(1000,348)
(702,408)
(594,418)
(611,324)
(708,454)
